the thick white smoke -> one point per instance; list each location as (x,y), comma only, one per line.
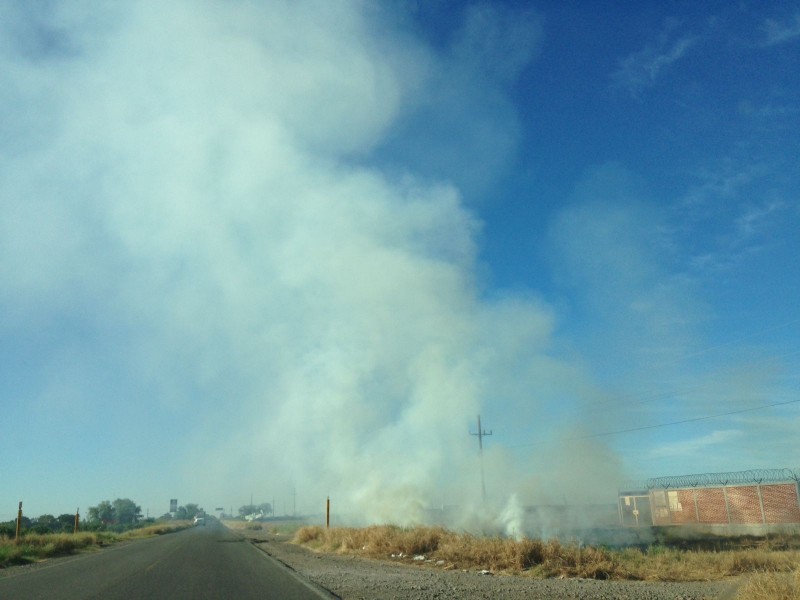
(190,187)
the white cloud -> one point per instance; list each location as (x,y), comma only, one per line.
(642,69)
(612,248)
(735,206)
(696,448)
(498,40)
(778,32)
(756,217)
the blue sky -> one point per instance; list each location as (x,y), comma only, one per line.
(293,250)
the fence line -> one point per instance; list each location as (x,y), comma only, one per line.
(751,477)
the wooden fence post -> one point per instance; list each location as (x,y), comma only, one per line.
(19,523)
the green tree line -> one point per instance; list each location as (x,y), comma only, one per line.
(119,515)
(43,524)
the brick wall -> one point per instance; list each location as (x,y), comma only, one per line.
(681,506)
(711,506)
(780,503)
(744,505)
(736,505)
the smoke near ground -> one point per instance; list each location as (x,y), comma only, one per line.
(228,294)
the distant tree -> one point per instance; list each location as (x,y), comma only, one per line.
(45,520)
(8,529)
(46,524)
(122,513)
(265,508)
(247,509)
(102,513)
(126,512)
(192,510)
(67,522)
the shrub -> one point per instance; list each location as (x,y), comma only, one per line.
(307,535)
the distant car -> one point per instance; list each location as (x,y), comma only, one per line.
(199,521)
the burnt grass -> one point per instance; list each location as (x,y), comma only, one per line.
(685,538)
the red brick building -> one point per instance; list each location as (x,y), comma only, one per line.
(759,497)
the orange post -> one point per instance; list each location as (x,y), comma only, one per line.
(19,522)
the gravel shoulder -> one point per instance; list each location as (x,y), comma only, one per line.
(355,578)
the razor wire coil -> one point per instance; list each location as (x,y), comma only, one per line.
(752,476)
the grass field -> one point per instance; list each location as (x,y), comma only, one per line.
(770,564)
(33,547)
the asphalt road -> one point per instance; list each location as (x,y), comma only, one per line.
(201,562)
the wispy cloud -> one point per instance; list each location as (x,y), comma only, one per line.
(726,196)
(756,217)
(642,69)
(499,40)
(780,32)
(767,112)
(734,211)
(611,246)
(720,185)
(697,447)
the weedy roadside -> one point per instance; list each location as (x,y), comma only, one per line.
(33,547)
(441,548)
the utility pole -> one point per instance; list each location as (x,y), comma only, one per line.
(481,433)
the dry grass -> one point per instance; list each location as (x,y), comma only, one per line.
(282,526)
(771,586)
(544,558)
(35,546)
(157,529)
(378,540)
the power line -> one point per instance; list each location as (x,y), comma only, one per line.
(481,433)
(644,397)
(644,427)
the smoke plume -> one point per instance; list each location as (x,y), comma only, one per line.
(227,290)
